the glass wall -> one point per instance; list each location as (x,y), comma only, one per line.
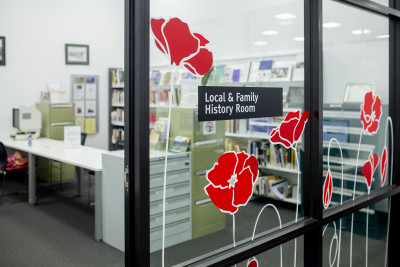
(253,44)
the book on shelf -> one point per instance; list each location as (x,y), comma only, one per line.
(266,153)
(117,78)
(272,186)
(260,71)
(298,72)
(161,97)
(117,135)
(236,126)
(281,72)
(117,115)
(117,97)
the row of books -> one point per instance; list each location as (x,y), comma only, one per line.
(236,126)
(161,97)
(117,115)
(117,78)
(117,97)
(117,135)
(259,71)
(273,187)
(163,77)
(267,154)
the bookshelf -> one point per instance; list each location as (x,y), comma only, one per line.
(116,109)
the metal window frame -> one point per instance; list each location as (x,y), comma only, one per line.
(137,239)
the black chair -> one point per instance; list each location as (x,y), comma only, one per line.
(83,140)
(4,169)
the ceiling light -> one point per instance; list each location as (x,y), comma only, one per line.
(298,39)
(331,25)
(383,36)
(270,32)
(285,16)
(361,31)
(260,43)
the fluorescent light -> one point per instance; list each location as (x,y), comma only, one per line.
(331,25)
(285,16)
(383,36)
(260,43)
(361,31)
(270,32)
(298,39)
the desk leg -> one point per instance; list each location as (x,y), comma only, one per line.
(98,209)
(32,179)
(79,175)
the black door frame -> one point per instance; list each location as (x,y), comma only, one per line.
(137,226)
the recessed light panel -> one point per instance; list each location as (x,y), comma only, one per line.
(329,25)
(285,16)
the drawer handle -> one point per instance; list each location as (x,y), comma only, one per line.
(160,205)
(166,191)
(61,123)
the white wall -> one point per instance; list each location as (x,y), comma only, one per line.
(36,32)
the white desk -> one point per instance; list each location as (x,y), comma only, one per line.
(83,157)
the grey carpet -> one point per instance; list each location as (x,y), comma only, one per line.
(59,232)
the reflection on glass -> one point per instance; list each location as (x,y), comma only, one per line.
(356,112)
(254,44)
(336,243)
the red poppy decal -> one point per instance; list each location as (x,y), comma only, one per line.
(289,131)
(383,166)
(184,48)
(231,181)
(369,168)
(252,262)
(371,112)
(328,190)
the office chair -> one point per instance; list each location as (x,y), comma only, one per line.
(83,140)
(4,168)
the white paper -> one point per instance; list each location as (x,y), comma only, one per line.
(79,108)
(72,136)
(53,86)
(209,127)
(90,108)
(91,91)
(79,90)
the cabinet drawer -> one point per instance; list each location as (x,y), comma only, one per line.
(172,178)
(170,204)
(198,184)
(170,217)
(171,229)
(157,166)
(171,191)
(57,131)
(204,156)
(207,219)
(62,113)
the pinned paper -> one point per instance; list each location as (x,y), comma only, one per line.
(90,125)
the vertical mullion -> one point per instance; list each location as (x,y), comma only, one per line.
(137,210)
(312,169)
(394,112)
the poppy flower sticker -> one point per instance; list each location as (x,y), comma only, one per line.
(369,168)
(184,48)
(289,131)
(252,262)
(383,166)
(328,185)
(371,112)
(231,181)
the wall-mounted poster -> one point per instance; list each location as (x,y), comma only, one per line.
(79,108)
(90,108)
(85,96)
(76,54)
